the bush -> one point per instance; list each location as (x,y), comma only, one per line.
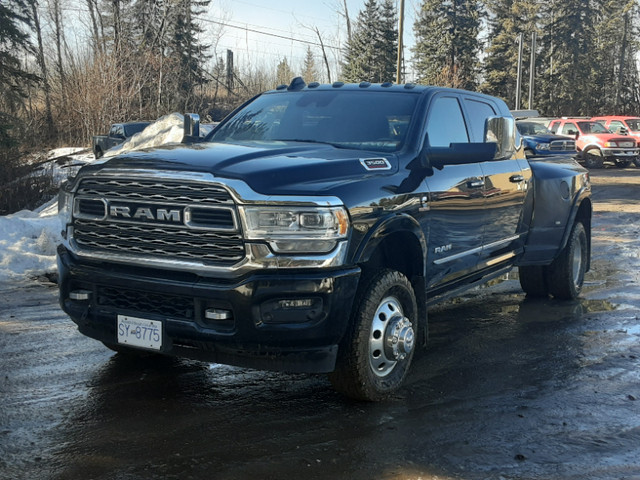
(21,184)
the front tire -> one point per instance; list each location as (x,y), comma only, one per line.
(623,163)
(636,161)
(375,355)
(533,280)
(593,158)
(566,274)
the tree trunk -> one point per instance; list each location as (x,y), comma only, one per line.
(43,69)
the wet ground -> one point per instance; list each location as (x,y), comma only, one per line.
(509,388)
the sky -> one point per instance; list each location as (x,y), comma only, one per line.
(261,33)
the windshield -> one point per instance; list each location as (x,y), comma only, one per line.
(633,124)
(532,128)
(357,119)
(592,127)
(132,128)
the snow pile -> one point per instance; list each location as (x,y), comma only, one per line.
(28,242)
(167,129)
(28,239)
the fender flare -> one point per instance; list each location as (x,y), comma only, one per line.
(582,195)
(387,226)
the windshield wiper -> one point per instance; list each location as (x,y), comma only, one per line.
(309,140)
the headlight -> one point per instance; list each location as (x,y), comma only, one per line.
(542,146)
(610,144)
(65,197)
(296,229)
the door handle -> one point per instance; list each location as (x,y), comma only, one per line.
(516,178)
(475,183)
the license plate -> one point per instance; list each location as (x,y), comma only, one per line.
(139,332)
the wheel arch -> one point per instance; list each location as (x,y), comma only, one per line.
(398,243)
(581,212)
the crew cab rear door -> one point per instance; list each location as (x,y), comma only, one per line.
(505,185)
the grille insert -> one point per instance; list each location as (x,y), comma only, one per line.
(208,233)
(173,306)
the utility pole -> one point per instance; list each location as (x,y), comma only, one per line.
(400,33)
(532,69)
(519,75)
(230,72)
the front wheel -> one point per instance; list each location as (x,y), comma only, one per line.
(636,161)
(623,163)
(566,274)
(593,158)
(375,355)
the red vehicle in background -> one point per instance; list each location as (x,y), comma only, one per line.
(623,125)
(596,144)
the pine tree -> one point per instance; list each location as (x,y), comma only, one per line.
(372,51)
(284,74)
(568,58)
(447,45)
(309,71)
(187,49)
(15,24)
(507,20)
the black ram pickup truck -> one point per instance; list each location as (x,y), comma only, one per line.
(311,229)
(118,133)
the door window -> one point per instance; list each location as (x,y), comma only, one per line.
(446,123)
(478,114)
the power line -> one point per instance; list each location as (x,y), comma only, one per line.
(252,30)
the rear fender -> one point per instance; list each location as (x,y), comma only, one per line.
(561,196)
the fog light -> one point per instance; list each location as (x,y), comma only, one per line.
(80,295)
(217,314)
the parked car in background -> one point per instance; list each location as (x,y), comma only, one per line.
(595,143)
(624,125)
(539,141)
(118,133)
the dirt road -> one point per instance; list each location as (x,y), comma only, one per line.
(509,388)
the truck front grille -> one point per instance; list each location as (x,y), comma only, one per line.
(157,219)
(562,145)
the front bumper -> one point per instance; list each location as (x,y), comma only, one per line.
(625,153)
(276,320)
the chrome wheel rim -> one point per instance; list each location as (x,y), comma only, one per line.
(391,338)
(577,264)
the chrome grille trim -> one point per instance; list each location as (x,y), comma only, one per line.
(211,247)
(256,256)
(562,145)
(155,191)
(217,244)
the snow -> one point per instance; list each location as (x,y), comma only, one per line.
(28,239)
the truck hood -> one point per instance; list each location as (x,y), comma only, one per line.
(546,138)
(604,137)
(267,167)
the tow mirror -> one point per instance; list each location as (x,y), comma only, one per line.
(456,153)
(502,132)
(191,128)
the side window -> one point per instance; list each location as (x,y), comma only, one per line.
(553,128)
(478,112)
(446,123)
(616,125)
(569,129)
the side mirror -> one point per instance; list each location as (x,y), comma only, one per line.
(456,154)
(502,132)
(191,128)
